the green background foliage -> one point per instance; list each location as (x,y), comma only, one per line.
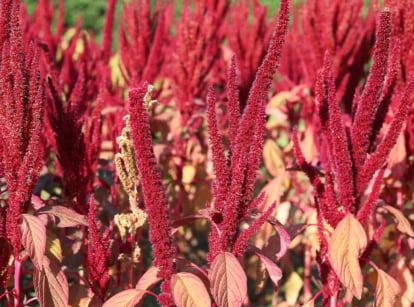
(93,13)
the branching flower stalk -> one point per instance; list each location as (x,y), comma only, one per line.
(350,167)
(98,254)
(235,175)
(127,171)
(21,103)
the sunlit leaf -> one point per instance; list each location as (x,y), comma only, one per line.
(279,98)
(228,281)
(33,234)
(402,274)
(272,194)
(148,279)
(189,291)
(387,290)
(347,243)
(189,171)
(53,247)
(292,287)
(272,158)
(126,298)
(397,158)
(51,285)
(131,297)
(67,217)
(403,225)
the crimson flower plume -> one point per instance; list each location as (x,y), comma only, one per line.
(21,103)
(156,204)
(98,253)
(234,180)
(350,164)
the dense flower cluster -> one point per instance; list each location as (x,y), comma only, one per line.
(106,193)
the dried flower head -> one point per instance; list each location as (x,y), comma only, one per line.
(129,222)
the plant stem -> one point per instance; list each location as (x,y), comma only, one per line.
(17,268)
(333,300)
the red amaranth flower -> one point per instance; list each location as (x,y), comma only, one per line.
(194,51)
(350,167)
(156,204)
(21,101)
(249,40)
(364,116)
(142,36)
(98,253)
(232,194)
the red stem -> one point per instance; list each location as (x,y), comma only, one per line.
(307,274)
(7,296)
(370,262)
(333,300)
(29,301)
(17,270)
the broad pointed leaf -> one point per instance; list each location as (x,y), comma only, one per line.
(33,233)
(347,243)
(403,224)
(126,298)
(53,247)
(67,217)
(149,279)
(292,287)
(51,285)
(272,158)
(228,281)
(275,273)
(284,238)
(131,297)
(387,290)
(189,291)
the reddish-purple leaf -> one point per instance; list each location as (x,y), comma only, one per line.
(282,237)
(33,234)
(347,243)
(387,290)
(177,224)
(51,285)
(275,273)
(67,217)
(189,291)
(37,202)
(228,281)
